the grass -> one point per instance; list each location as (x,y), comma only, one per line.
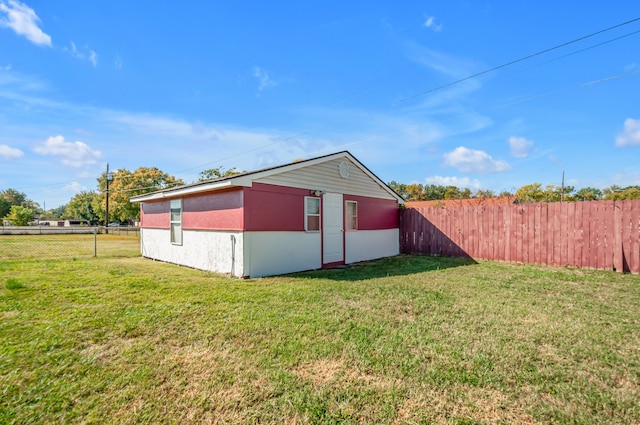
(400,341)
(21,247)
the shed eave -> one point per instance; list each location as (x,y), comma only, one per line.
(178,192)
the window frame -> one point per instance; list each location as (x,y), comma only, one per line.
(348,217)
(308,214)
(175,226)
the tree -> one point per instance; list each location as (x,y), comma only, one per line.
(453,192)
(430,192)
(399,188)
(19,215)
(433,192)
(216,173)
(588,194)
(82,205)
(5,205)
(530,193)
(57,212)
(484,193)
(551,193)
(616,193)
(11,197)
(415,192)
(14,197)
(126,184)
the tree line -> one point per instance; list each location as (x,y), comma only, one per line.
(17,209)
(529,193)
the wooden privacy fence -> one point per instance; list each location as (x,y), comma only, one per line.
(601,235)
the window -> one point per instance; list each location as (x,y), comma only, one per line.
(176,221)
(311,214)
(351,215)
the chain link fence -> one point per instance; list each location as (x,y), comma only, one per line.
(34,242)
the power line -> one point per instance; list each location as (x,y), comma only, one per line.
(504,65)
(588,83)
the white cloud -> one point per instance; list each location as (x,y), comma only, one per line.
(630,134)
(75,187)
(24,21)
(461,182)
(446,64)
(520,147)
(473,161)
(73,154)
(7,152)
(84,53)
(93,58)
(263,78)
(627,177)
(555,160)
(430,22)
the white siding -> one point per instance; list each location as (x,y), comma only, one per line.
(365,245)
(325,176)
(272,253)
(205,250)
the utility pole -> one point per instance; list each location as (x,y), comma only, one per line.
(562,193)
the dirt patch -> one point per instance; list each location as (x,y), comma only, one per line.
(481,405)
(336,372)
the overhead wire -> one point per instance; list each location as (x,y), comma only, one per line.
(513,62)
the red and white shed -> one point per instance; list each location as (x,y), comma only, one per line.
(305,215)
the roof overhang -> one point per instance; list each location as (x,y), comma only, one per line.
(194,189)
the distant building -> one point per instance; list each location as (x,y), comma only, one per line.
(64,223)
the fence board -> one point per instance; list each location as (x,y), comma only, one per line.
(631,245)
(571,233)
(597,234)
(626,237)
(556,233)
(610,235)
(578,235)
(618,261)
(635,238)
(586,227)
(544,235)
(524,219)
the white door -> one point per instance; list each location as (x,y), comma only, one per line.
(333,232)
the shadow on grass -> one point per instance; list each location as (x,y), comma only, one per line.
(400,265)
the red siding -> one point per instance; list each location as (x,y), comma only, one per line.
(374,213)
(154,215)
(266,208)
(220,210)
(274,208)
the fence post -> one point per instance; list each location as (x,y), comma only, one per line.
(95,241)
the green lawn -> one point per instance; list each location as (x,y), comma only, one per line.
(23,247)
(404,340)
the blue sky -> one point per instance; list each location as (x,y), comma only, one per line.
(186,86)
